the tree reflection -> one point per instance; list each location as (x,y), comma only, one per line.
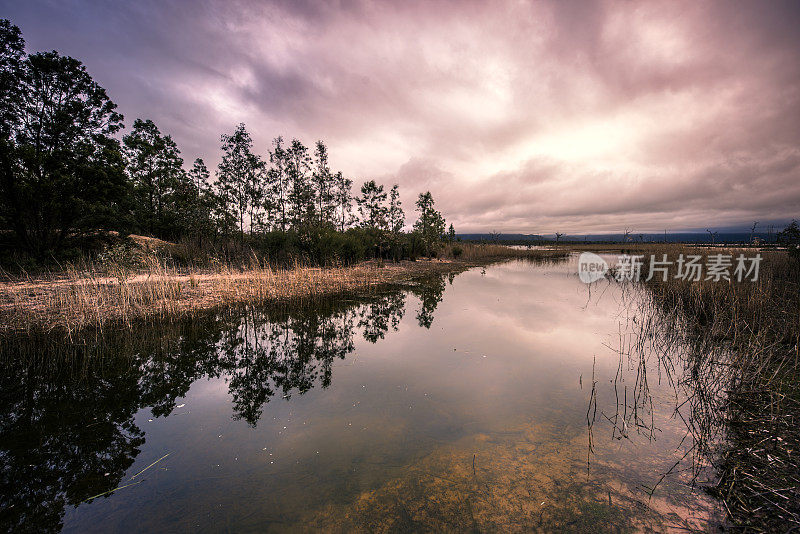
(430,293)
(264,356)
(61,442)
(378,317)
(67,427)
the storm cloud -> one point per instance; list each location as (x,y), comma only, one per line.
(519,117)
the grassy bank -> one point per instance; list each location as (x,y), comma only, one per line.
(94,295)
(750,332)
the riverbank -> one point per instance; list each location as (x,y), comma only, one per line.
(94,296)
(744,340)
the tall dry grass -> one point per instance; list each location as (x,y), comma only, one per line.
(93,295)
(478,252)
(756,326)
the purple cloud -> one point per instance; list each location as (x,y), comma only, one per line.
(569,116)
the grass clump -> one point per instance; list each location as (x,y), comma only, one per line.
(127,285)
(757,324)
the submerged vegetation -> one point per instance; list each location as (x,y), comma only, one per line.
(68,432)
(101,229)
(420,457)
(738,346)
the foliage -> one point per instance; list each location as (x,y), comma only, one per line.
(371,206)
(430,224)
(239,177)
(65,177)
(155,170)
(790,237)
(62,170)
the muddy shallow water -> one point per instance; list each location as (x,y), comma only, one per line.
(495,400)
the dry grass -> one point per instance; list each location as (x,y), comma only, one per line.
(96,295)
(756,325)
(489,252)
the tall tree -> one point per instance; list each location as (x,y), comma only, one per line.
(343,197)
(278,184)
(62,169)
(12,55)
(371,206)
(430,223)
(301,194)
(199,201)
(324,185)
(200,175)
(451,233)
(156,171)
(239,175)
(396,216)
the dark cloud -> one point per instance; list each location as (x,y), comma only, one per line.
(524,117)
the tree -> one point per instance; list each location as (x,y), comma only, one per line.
(789,236)
(199,175)
(323,181)
(12,55)
(62,169)
(198,201)
(239,176)
(396,216)
(451,234)
(343,198)
(277,180)
(430,224)
(301,194)
(156,172)
(371,206)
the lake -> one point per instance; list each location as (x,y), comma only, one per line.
(499,399)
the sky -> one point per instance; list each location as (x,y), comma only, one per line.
(522,117)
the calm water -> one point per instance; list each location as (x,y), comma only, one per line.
(461,405)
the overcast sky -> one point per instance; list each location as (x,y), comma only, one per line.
(519,117)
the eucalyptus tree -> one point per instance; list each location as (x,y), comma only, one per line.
(324,185)
(372,206)
(239,176)
(430,224)
(343,198)
(301,193)
(156,171)
(278,185)
(62,170)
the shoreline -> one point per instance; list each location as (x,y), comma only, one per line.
(73,301)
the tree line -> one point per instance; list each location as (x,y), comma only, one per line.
(69,176)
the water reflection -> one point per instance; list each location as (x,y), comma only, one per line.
(67,429)
(350,415)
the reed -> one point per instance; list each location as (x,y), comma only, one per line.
(744,339)
(92,295)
